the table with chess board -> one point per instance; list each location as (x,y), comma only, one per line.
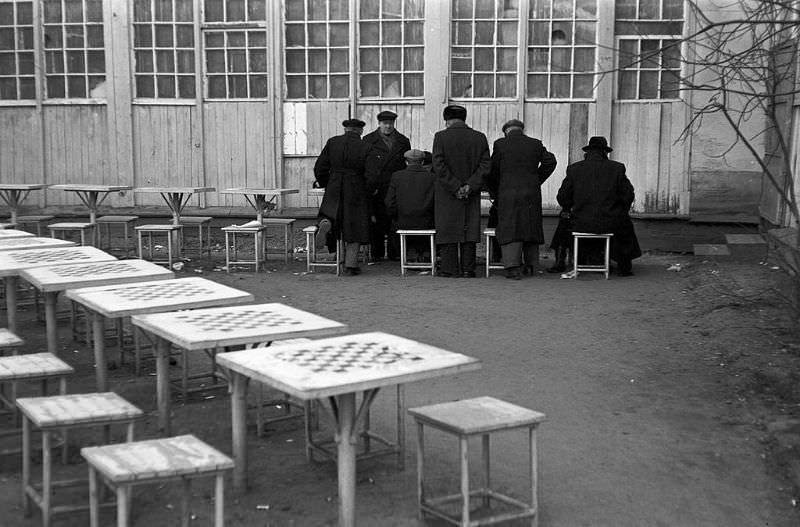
(35,242)
(221,327)
(13,194)
(257,198)
(8,234)
(91,195)
(334,369)
(53,280)
(12,263)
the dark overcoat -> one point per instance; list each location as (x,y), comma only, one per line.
(382,161)
(340,171)
(409,200)
(600,196)
(520,164)
(460,156)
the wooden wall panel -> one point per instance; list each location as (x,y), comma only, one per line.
(20,147)
(410,121)
(550,122)
(299,173)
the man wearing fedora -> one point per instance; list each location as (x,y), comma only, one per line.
(386,149)
(461,164)
(520,164)
(600,196)
(344,212)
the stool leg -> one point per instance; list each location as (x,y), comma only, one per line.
(534,476)
(463,450)
(488,254)
(123,505)
(308,252)
(575,256)
(94,502)
(486,467)
(420,468)
(62,390)
(433,256)
(227,254)
(137,351)
(46,478)
(219,501)
(26,466)
(608,255)
(401,427)
(308,422)
(260,410)
(185,514)
(403,257)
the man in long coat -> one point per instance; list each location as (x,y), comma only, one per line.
(461,164)
(520,164)
(409,200)
(345,211)
(386,149)
(600,196)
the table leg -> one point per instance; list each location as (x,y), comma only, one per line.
(239,428)
(94,502)
(50,299)
(11,302)
(162,386)
(100,364)
(219,501)
(346,450)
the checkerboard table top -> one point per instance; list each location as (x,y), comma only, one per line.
(62,277)
(77,409)
(9,340)
(13,262)
(8,234)
(235,325)
(90,188)
(260,191)
(18,243)
(477,416)
(157,297)
(350,363)
(32,366)
(156,459)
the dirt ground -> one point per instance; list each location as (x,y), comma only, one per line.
(672,397)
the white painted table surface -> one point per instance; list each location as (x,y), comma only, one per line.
(257,198)
(91,195)
(12,263)
(8,234)
(13,194)
(335,368)
(20,243)
(9,340)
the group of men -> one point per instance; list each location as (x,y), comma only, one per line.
(378,184)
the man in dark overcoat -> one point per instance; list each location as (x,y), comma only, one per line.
(409,200)
(461,163)
(345,210)
(520,164)
(600,196)
(386,149)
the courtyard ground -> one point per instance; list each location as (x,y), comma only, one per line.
(671,396)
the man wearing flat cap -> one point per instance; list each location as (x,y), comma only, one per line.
(461,164)
(520,164)
(409,200)
(386,149)
(344,212)
(600,196)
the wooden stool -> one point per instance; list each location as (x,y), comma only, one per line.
(9,341)
(465,419)
(230,245)
(288,234)
(126,222)
(404,263)
(489,234)
(311,252)
(74,226)
(38,220)
(576,268)
(63,412)
(154,461)
(202,223)
(172,233)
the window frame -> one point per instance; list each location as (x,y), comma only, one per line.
(618,69)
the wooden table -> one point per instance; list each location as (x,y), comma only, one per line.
(7,234)
(53,280)
(257,198)
(335,369)
(12,263)
(176,198)
(92,195)
(23,243)
(13,194)
(204,329)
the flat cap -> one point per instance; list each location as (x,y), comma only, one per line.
(513,123)
(386,115)
(353,123)
(454,111)
(414,155)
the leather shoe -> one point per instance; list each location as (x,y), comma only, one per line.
(352,271)
(446,275)
(468,274)
(512,273)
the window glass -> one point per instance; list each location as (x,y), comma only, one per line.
(649,68)
(17,78)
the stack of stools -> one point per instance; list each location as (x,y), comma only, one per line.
(489,234)
(203,224)
(126,222)
(288,234)
(81,227)
(230,245)
(155,461)
(465,419)
(591,268)
(404,263)
(38,220)
(60,413)
(172,233)
(311,252)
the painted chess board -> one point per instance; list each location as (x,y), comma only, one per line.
(8,234)
(345,364)
(13,262)
(32,366)
(17,243)
(231,326)
(157,297)
(9,340)
(63,277)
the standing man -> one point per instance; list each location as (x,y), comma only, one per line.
(409,201)
(344,212)
(520,164)
(600,196)
(386,149)
(461,164)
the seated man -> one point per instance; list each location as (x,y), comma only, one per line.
(409,200)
